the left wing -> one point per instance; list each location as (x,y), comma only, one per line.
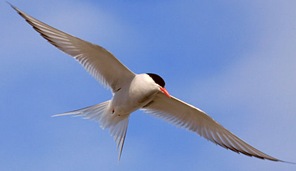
(95,59)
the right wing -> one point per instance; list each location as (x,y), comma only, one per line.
(187,116)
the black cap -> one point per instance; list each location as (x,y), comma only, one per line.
(157,79)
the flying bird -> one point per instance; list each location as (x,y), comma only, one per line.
(133,91)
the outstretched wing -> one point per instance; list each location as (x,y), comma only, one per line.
(95,59)
(187,116)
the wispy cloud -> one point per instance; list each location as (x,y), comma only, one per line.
(234,61)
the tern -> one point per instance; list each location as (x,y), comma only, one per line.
(135,91)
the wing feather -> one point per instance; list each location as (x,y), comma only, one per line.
(194,119)
(95,59)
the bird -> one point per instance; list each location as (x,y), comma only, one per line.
(131,92)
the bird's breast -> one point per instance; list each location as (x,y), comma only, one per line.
(133,96)
(142,89)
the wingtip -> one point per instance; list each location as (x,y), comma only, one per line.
(278,160)
(15,8)
(286,162)
(12,6)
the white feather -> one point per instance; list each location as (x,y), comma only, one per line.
(95,59)
(187,116)
(131,92)
(102,114)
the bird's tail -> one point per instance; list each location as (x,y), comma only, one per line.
(102,113)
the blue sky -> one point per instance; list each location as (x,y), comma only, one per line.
(233,59)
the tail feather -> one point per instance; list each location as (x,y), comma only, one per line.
(96,112)
(101,113)
(118,132)
(90,112)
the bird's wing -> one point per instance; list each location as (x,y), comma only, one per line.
(95,59)
(187,116)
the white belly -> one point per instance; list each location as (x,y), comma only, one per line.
(133,96)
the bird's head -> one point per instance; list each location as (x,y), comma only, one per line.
(158,80)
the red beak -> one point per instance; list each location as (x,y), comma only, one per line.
(162,89)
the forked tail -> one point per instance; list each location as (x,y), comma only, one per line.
(102,114)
